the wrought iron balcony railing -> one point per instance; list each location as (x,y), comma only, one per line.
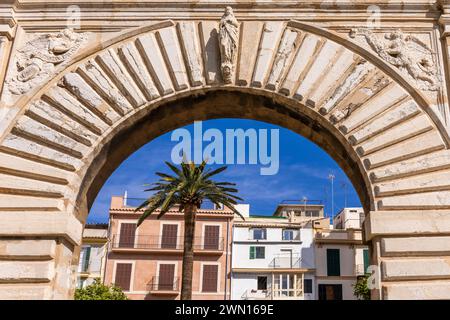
(165,243)
(163,284)
(285,262)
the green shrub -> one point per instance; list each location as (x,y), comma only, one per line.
(360,289)
(99,291)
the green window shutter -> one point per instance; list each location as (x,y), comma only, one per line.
(86,259)
(252,252)
(333,262)
(366,260)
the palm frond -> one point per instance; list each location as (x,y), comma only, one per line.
(188,185)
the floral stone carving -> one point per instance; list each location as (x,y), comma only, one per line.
(38,58)
(406,52)
(228,42)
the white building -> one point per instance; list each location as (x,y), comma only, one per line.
(341,256)
(93,254)
(349,218)
(273,258)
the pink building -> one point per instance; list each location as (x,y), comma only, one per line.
(146,262)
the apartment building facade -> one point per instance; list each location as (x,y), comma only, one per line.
(297,211)
(341,255)
(273,258)
(146,261)
(93,252)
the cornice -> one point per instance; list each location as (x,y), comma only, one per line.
(117,15)
(241,7)
(7,22)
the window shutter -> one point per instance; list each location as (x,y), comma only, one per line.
(87,256)
(211,240)
(366,260)
(123,276)
(82,255)
(333,262)
(95,263)
(166,276)
(209,283)
(252,252)
(127,234)
(169,236)
(307,285)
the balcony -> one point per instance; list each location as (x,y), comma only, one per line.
(286,294)
(275,293)
(285,262)
(152,243)
(256,295)
(163,286)
(350,236)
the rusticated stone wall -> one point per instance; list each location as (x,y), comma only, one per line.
(75,102)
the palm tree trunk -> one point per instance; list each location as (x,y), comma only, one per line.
(188,252)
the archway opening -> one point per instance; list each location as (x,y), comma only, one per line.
(240,107)
(129,136)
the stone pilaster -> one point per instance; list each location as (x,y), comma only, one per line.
(412,252)
(38,255)
(7,33)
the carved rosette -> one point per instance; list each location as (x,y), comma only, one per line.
(228,42)
(38,58)
(410,55)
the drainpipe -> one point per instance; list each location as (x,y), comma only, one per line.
(107,247)
(226,261)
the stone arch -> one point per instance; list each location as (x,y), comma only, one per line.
(349,101)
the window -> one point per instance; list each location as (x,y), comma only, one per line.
(123,276)
(211,238)
(308,285)
(85,256)
(166,278)
(169,236)
(330,292)
(312,213)
(209,283)
(257,252)
(127,235)
(333,262)
(262,283)
(259,234)
(289,234)
(366,260)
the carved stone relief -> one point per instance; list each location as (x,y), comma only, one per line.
(228,42)
(406,52)
(37,59)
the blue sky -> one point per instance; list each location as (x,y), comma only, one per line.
(303,172)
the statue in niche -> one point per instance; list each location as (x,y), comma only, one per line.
(406,52)
(38,58)
(228,42)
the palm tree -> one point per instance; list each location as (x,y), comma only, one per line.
(188,188)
